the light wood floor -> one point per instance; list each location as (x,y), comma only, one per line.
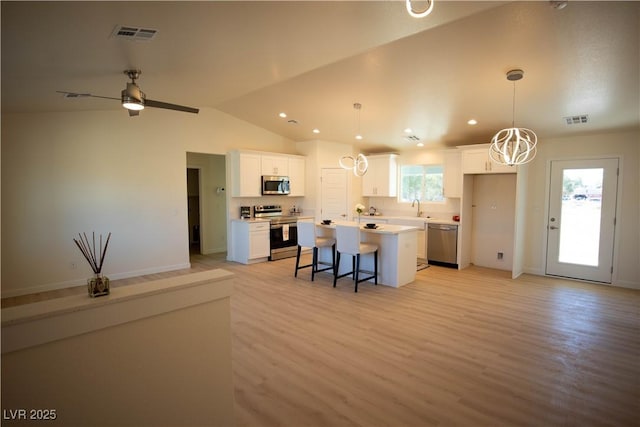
(465,348)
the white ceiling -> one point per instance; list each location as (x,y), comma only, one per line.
(314,59)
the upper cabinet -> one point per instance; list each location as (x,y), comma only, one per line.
(296,175)
(452,174)
(477,161)
(247,168)
(275,165)
(246,174)
(381,179)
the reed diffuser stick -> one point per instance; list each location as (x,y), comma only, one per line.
(94,257)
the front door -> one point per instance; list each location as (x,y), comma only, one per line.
(582,214)
(334,194)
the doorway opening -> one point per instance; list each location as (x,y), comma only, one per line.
(193,206)
(207,204)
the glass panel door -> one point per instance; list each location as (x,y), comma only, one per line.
(582,218)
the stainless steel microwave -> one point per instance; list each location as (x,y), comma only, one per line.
(275,184)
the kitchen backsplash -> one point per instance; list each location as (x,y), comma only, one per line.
(286,202)
(389,206)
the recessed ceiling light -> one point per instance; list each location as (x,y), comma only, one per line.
(358,137)
(316,131)
(283,115)
(420,144)
(472,122)
(408,130)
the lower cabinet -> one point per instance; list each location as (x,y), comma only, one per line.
(250,241)
(420,224)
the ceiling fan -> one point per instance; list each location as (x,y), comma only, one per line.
(133,99)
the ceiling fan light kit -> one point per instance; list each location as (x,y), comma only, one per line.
(134,99)
(132,96)
(131,103)
(513,146)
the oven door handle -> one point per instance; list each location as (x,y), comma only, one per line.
(276,226)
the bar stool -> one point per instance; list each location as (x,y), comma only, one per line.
(348,242)
(307,238)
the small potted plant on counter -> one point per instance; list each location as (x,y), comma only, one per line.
(359,209)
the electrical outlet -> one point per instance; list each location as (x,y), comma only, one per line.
(500,255)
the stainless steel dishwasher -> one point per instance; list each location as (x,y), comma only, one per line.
(442,245)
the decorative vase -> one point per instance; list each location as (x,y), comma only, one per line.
(98,286)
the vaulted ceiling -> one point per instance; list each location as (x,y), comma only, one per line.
(315,59)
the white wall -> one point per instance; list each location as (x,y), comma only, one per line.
(493,221)
(64,173)
(627,244)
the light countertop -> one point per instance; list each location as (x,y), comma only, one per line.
(416,219)
(252,219)
(381,229)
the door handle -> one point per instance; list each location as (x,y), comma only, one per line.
(553,227)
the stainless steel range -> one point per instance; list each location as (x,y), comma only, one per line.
(283,235)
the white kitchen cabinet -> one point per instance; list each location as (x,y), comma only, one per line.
(420,224)
(296,175)
(275,165)
(452,174)
(245,174)
(477,161)
(381,179)
(251,241)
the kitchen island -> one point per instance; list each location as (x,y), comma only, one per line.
(397,249)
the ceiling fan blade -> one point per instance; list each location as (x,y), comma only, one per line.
(166,105)
(83,95)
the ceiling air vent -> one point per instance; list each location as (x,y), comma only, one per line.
(576,120)
(412,138)
(134,33)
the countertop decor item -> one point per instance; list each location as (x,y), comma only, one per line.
(98,285)
(359,209)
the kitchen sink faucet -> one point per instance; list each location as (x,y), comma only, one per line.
(413,204)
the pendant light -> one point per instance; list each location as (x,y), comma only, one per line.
(418,14)
(358,164)
(513,146)
(357,107)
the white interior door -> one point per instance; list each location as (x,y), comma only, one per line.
(582,212)
(334,194)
